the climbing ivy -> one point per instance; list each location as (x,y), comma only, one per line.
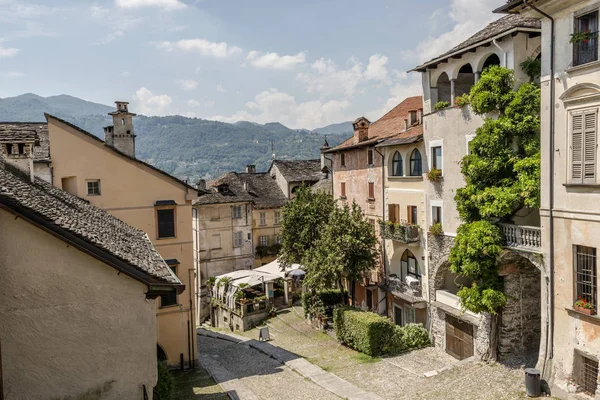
(502,175)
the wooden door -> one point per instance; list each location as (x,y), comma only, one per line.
(459,338)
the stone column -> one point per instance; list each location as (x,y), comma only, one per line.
(452,91)
(286,292)
(477,76)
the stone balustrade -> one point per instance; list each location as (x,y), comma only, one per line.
(526,238)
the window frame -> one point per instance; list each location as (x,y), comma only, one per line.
(266,240)
(92,181)
(156,212)
(262,218)
(436,214)
(238,239)
(397,161)
(412,215)
(576,47)
(571,136)
(342,159)
(414,160)
(277,218)
(343,190)
(371,189)
(370,157)
(236,212)
(578,284)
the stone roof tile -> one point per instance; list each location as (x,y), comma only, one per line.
(299,170)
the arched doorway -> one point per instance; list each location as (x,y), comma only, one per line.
(493,59)
(464,81)
(161,355)
(443,88)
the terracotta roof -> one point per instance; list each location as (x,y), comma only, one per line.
(389,125)
(299,170)
(502,26)
(79,222)
(16,130)
(137,160)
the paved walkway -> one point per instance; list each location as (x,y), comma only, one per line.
(320,384)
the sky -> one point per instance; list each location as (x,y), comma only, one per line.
(304,63)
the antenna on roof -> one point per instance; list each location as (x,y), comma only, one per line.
(272,151)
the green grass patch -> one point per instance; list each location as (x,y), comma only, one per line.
(366,359)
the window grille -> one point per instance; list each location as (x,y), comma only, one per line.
(587,378)
(93,188)
(585,275)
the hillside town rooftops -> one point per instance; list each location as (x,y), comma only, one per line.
(503,26)
(85,226)
(299,170)
(28,131)
(264,189)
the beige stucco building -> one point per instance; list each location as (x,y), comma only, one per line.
(77,308)
(143,196)
(569,210)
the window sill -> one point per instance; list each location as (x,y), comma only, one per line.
(93,195)
(370,200)
(583,67)
(343,197)
(166,238)
(169,306)
(595,319)
(406,178)
(582,185)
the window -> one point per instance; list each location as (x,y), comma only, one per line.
(468,139)
(394,213)
(369,295)
(236,212)
(343,189)
(277,217)
(371,191)
(586,374)
(397,164)
(263,240)
(169,299)
(263,218)
(436,157)
(436,214)
(21,148)
(122,121)
(586,50)
(278,239)
(370,157)
(412,216)
(9,148)
(398,315)
(415,163)
(166,222)
(583,146)
(413,117)
(409,266)
(93,187)
(343,159)
(238,239)
(585,275)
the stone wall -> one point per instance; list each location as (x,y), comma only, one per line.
(438,248)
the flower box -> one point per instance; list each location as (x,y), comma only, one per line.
(587,311)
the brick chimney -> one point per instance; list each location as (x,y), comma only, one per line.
(361,129)
(250,169)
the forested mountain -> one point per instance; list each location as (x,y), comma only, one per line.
(185,147)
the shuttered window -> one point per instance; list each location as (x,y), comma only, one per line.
(371,190)
(412,216)
(238,239)
(394,213)
(343,189)
(583,146)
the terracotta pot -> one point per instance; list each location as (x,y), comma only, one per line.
(585,310)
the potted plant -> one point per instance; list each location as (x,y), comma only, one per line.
(436,229)
(582,37)
(582,305)
(272,312)
(440,105)
(463,100)
(434,174)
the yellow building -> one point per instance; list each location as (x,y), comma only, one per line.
(143,196)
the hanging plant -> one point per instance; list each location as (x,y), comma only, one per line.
(436,229)
(582,37)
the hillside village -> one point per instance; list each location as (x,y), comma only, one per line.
(446,250)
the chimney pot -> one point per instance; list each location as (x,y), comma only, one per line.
(250,169)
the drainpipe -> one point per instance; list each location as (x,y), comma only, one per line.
(549,353)
(503,52)
(383,218)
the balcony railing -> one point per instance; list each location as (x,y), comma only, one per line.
(401,232)
(526,238)
(399,286)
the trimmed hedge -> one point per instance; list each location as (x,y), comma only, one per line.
(315,303)
(375,335)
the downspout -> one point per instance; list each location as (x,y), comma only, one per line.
(549,351)
(192,361)
(503,52)
(383,218)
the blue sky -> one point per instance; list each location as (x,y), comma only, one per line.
(304,63)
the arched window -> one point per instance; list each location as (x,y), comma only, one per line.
(415,163)
(410,266)
(397,164)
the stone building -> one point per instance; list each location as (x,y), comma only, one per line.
(10,132)
(76,283)
(143,196)
(447,131)
(358,176)
(569,206)
(292,174)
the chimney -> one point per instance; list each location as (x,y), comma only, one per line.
(250,169)
(18,153)
(361,129)
(120,135)
(201,185)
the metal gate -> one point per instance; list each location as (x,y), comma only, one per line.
(459,338)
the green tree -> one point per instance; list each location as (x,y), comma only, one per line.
(502,175)
(346,249)
(304,219)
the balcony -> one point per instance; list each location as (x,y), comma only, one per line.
(411,292)
(450,302)
(401,232)
(524,238)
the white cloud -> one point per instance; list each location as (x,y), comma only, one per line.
(13,74)
(149,104)
(202,46)
(405,86)
(193,103)
(377,70)
(6,52)
(220,88)
(164,4)
(273,105)
(468,17)
(187,84)
(274,60)
(204,103)
(111,36)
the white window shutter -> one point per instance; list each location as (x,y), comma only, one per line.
(577,148)
(589,146)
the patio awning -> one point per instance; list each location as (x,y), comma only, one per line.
(274,268)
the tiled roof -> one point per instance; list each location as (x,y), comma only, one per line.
(512,6)
(503,25)
(299,170)
(22,130)
(235,191)
(389,125)
(402,138)
(264,189)
(324,185)
(188,186)
(72,217)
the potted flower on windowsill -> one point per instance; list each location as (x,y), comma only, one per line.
(582,37)
(434,174)
(436,229)
(583,306)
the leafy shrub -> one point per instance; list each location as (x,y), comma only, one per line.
(315,304)
(440,105)
(415,336)
(332,297)
(210,282)
(434,174)
(463,100)
(436,229)
(165,386)
(532,66)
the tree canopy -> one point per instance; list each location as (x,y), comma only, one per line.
(502,175)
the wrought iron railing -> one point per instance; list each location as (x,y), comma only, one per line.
(398,285)
(528,238)
(401,232)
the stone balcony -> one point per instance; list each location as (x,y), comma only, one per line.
(398,287)
(450,303)
(524,238)
(401,232)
